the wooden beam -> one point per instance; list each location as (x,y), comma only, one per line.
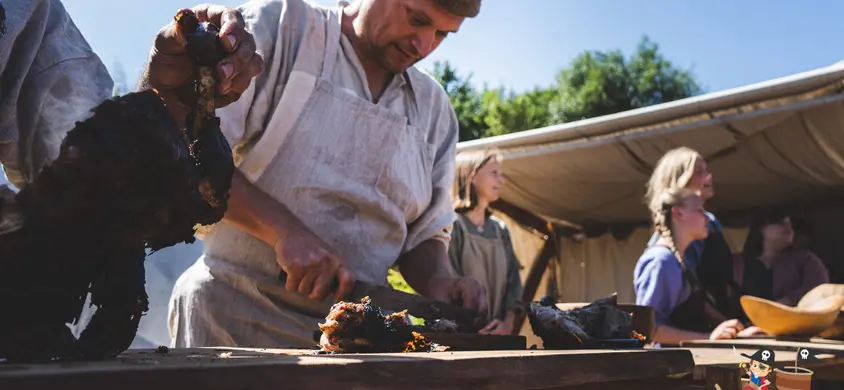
(534,277)
(522,216)
(537,270)
(540,263)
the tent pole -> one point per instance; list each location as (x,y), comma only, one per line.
(534,277)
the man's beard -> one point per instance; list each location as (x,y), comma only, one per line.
(381,54)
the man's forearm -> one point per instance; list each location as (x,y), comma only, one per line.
(429,260)
(257,213)
(178,110)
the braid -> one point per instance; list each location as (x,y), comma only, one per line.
(661,207)
(661,214)
(662,225)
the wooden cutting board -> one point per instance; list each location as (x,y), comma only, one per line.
(478,342)
(472,341)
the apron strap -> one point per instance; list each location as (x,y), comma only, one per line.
(332,43)
(296,94)
(413,115)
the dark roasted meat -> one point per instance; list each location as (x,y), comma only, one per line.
(444,326)
(363,327)
(582,327)
(127,180)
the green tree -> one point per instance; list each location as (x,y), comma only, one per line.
(118,75)
(517,112)
(602,83)
(467,102)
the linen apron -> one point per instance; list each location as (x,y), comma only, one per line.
(485,260)
(354,172)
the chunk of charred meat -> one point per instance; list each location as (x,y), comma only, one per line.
(126,180)
(363,327)
(582,327)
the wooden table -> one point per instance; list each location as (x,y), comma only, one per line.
(244,369)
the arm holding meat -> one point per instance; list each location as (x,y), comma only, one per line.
(169,69)
(311,265)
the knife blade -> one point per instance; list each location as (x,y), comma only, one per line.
(386,297)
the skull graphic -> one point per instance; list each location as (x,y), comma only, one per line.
(804,354)
(766,355)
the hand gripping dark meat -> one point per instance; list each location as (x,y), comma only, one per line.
(126,180)
(208,144)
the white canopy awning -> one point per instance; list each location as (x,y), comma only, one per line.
(774,142)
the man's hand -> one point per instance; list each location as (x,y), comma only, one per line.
(312,267)
(170,70)
(466,292)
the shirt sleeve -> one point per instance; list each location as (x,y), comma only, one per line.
(513,292)
(52,79)
(436,222)
(659,284)
(280,29)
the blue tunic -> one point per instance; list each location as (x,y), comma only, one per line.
(695,250)
(658,282)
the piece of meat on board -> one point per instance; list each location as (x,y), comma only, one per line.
(581,327)
(362,327)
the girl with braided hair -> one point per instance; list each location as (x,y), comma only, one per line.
(663,281)
(710,260)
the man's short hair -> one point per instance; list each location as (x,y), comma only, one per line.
(464,8)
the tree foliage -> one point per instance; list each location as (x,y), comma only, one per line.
(595,83)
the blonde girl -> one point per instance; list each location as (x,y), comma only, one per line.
(480,246)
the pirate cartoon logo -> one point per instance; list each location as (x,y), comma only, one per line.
(760,367)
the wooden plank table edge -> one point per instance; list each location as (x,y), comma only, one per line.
(271,369)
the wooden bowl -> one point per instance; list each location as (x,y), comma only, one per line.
(777,319)
(836,331)
(642,316)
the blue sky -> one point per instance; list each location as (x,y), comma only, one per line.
(727,43)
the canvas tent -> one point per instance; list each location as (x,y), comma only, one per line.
(776,143)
